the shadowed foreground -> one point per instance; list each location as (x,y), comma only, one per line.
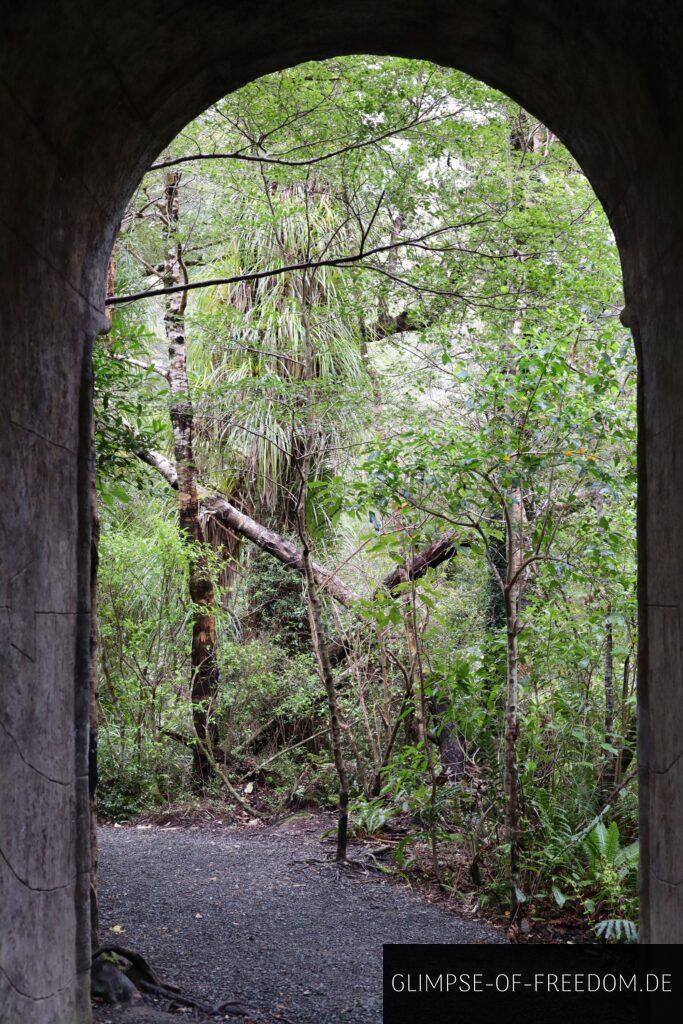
(242,915)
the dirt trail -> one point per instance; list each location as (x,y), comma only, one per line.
(248,915)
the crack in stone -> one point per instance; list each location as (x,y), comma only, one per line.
(47,440)
(44,775)
(668,426)
(665,881)
(36,888)
(28,995)
(24,654)
(663,771)
(59,274)
(23,568)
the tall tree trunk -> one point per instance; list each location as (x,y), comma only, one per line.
(610,768)
(627,728)
(205,678)
(495,623)
(496,556)
(511,784)
(609,772)
(449,738)
(319,641)
(516,520)
(322,656)
(415,724)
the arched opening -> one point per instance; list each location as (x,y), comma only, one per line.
(455,409)
(126,84)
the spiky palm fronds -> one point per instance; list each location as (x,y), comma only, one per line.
(248,360)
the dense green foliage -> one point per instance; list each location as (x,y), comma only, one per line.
(470,375)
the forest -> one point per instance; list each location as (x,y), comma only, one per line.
(365,442)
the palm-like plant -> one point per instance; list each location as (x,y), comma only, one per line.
(248,357)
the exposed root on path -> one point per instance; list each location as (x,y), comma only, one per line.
(140,973)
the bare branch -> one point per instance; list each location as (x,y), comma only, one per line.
(283,162)
(140,365)
(259,275)
(162,465)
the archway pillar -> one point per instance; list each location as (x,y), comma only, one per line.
(656,314)
(45,464)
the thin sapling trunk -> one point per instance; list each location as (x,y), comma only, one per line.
(319,641)
(205,677)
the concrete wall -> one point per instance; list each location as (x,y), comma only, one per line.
(44,397)
(89,94)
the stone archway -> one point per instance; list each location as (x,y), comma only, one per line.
(89,94)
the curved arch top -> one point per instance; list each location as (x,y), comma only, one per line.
(107,85)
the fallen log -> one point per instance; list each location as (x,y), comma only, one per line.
(443,548)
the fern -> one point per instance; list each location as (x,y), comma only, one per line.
(627,857)
(611,843)
(617,930)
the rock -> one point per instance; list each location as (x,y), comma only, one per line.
(109,983)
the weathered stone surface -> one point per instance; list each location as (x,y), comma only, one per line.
(89,94)
(666,864)
(65,1006)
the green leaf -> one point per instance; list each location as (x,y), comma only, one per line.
(560,898)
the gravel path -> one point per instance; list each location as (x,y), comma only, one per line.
(243,914)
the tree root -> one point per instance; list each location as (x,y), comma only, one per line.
(351,863)
(140,973)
